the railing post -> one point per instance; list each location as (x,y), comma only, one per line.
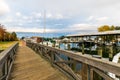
(84,72)
(52,57)
(74,65)
(91,74)
(110,53)
(3,70)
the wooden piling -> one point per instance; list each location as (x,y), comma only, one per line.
(110,53)
(100,51)
(83,48)
(68,46)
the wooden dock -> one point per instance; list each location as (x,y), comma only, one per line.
(30,66)
(22,63)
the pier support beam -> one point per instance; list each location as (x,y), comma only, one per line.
(53,45)
(83,51)
(74,65)
(110,53)
(100,51)
(68,46)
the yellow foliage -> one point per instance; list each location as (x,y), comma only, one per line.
(104,28)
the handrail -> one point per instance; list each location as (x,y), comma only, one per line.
(6,61)
(93,64)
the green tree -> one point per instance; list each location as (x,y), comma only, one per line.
(14,36)
(112,27)
(7,36)
(117,28)
(61,37)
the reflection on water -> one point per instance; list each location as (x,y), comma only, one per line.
(64,57)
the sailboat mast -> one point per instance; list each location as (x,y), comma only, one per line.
(44,21)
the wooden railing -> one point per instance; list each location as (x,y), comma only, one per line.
(77,66)
(6,61)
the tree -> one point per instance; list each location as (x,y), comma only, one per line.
(117,28)
(6,36)
(2,32)
(14,36)
(61,37)
(104,28)
(112,27)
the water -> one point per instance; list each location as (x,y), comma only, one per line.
(64,57)
(30,34)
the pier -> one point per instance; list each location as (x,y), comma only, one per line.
(40,62)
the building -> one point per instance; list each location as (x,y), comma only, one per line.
(36,39)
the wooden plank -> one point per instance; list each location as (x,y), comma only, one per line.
(63,61)
(30,66)
(102,74)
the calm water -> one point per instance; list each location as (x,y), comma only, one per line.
(30,34)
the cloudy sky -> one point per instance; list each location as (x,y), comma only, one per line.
(61,15)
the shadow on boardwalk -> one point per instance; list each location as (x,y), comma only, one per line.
(30,66)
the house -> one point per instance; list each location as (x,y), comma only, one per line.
(36,39)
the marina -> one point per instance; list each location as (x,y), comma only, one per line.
(59,40)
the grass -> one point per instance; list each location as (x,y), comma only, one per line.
(6,44)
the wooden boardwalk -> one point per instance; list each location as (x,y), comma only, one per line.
(30,66)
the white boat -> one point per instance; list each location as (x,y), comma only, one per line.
(115,60)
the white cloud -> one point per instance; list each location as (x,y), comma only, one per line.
(18,14)
(54,16)
(38,20)
(25,17)
(4,8)
(21,29)
(90,18)
(36,14)
(58,24)
(83,27)
(73,28)
(59,16)
(20,24)
(7,20)
(102,18)
(49,15)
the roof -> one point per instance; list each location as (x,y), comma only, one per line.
(115,32)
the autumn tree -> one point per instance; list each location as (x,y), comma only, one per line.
(106,28)
(6,36)
(2,32)
(103,28)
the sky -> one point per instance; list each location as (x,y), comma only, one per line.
(62,16)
